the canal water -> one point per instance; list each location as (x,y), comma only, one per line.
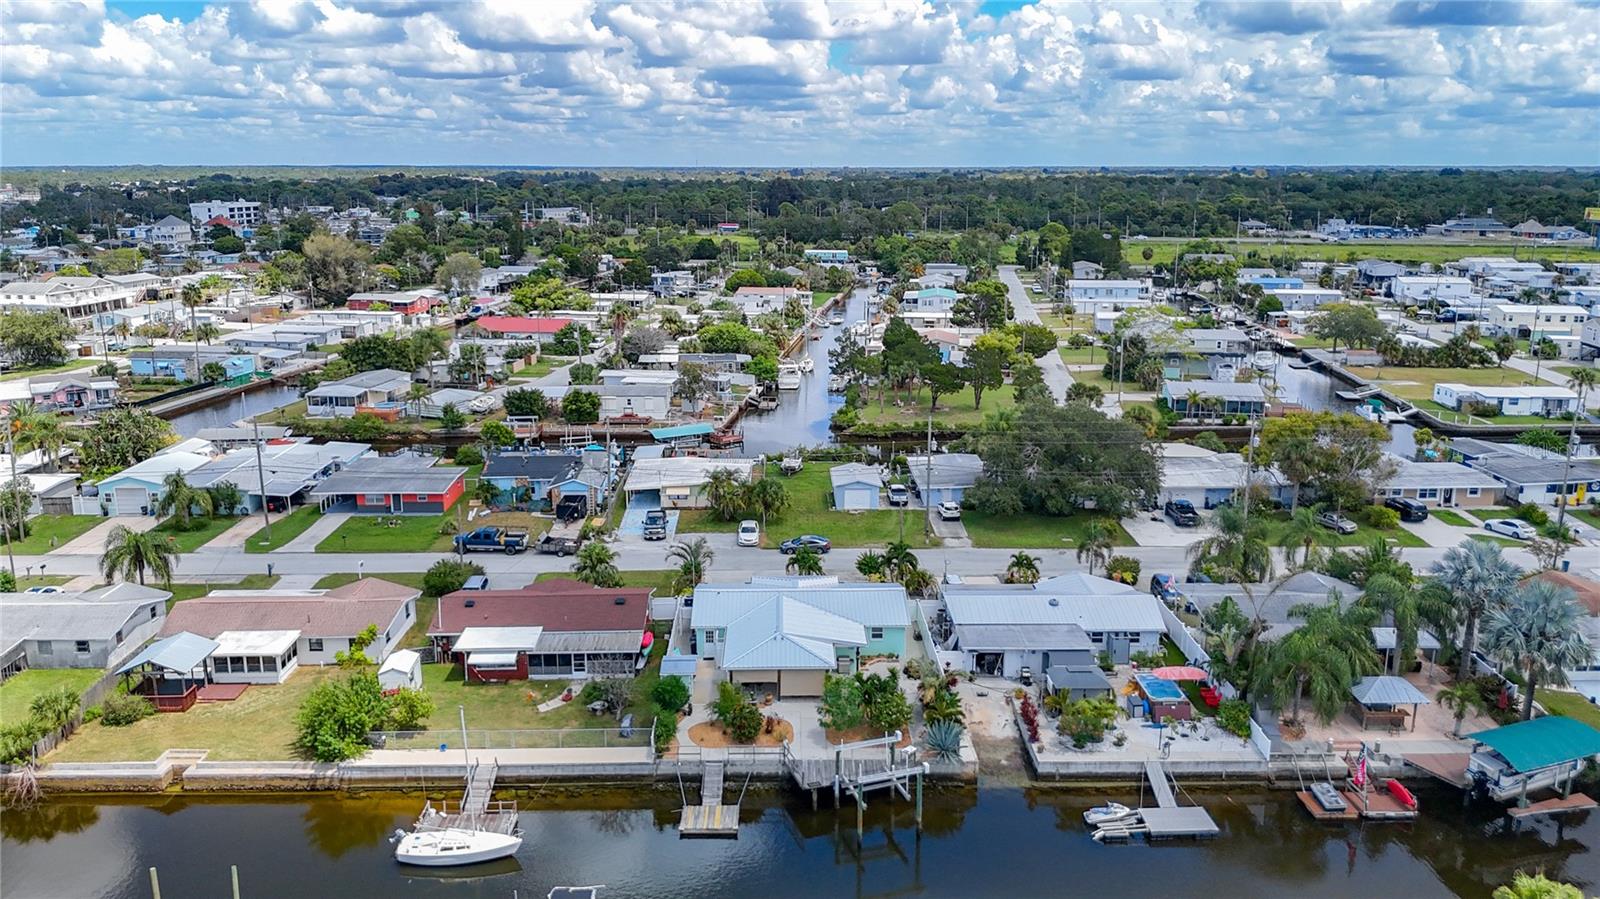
(802,416)
(238,407)
(1001,842)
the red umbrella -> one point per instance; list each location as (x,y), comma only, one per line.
(1181,672)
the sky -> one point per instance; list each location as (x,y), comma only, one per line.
(780,83)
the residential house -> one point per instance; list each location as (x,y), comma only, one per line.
(1298,299)
(856,487)
(322,622)
(1530,478)
(782,635)
(1536,321)
(406,302)
(1440,484)
(756,300)
(342,398)
(1378,274)
(677,482)
(353,323)
(551,629)
(80,299)
(403,484)
(931,299)
(72,392)
(178,361)
(676,283)
(1544,400)
(957,274)
(828,257)
(635,399)
(78,629)
(520,329)
(1084,270)
(1113,289)
(527,479)
(1271,601)
(137,489)
(1532,230)
(1001,628)
(289,467)
(295,335)
(1208,479)
(172,232)
(944,477)
(1214,398)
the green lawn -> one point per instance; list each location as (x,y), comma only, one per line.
(542,366)
(259,725)
(181,592)
(20,689)
(660,579)
(87,365)
(1278,522)
(1424,378)
(1165,250)
(1081,355)
(1496,538)
(203,531)
(818,297)
(284,530)
(1490,513)
(46,532)
(810,493)
(1571,705)
(955,409)
(1455,518)
(374,534)
(1032,531)
(1587,516)
(1172,655)
(1448,414)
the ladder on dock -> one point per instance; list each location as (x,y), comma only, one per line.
(478,809)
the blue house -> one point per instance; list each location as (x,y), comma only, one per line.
(945,477)
(177,360)
(524,479)
(856,486)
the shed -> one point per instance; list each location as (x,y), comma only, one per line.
(401,670)
(856,486)
(1077,682)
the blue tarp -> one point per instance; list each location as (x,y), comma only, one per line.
(673,433)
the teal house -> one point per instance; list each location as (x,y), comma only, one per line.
(782,635)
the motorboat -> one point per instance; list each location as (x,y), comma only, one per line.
(1264,360)
(455,846)
(807,365)
(836,319)
(788,376)
(835,384)
(1109,813)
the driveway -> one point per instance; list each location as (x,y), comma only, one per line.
(953,533)
(1436,533)
(1051,364)
(319,531)
(632,524)
(1161,532)
(93,541)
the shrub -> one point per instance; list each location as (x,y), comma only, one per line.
(841,707)
(8,581)
(450,526)
(670,694)
(409,709)
(1532,513)
(1382,517)
(1234,717)
(1030,718)
(889,712)
(943,739)
(122,709)
(666,730)
(337,716)
(469,455)
(448,576)
(1123,568)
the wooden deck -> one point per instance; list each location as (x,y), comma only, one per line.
(221,692)
(1450,768)
(709,821)
(1378,805)
(1574,803)
(1321,814)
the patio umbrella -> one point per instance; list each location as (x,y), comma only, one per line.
(1180,672)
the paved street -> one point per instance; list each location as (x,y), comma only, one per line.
(1054,369)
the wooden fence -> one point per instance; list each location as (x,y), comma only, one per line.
(91,697)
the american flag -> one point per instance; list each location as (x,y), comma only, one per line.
(1361,767)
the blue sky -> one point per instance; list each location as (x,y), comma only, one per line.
(791,83)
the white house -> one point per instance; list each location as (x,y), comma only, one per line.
(1535,321)
(1117,289)
(1116,618)
(1424,288)
(242,212)
(172,232)
(1545,400)
(1297,299)
(78,298)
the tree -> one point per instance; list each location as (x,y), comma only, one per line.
(580,407)
(33,428)
(1096,545)
(1022,569)
(899,560)
(470,364)
(1480,580)
(941,379)
(1538,631)
(336,267)
(1084,392)
(376,351)
(527,402)
(804,561)
(1406,609)
(670,694)
(985,369)
(693,558)
(596,564)
(1543,438)
(889,711)
(35,338)
(119,438)
(212,372)
(448,576)
(1347,323)
(725,493)
(745,277)
(226,498)
(451,418)
(1323,657)
(872,566)
(693,384)
(1237,547)
(356,657)
(495,435)
(1461,699)
(130,553)
(180,500)
(459,273)
(641,341)
(1303,533)
(337,715)
(767,498)
(16,502)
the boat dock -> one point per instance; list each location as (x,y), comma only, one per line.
(710,818)
(478,809)
(1166,820)
(1577,802)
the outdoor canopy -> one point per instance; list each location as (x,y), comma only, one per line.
(1387,690)
(182,652)
(1530,745)
(1181,672)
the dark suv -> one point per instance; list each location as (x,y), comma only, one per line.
(1182,513)
(655,525)
(1409,509)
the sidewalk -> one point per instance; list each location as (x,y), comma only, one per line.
(93,541)
(318,532)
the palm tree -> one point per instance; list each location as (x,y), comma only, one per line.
(179,499)
(416,395)
(1537,631)
(207,332)
(428,344)
(192,297)
(596,564)
(1237,549)
(943,705)
(1323,657)
(768,498)
(1023,569)
(917,581)
(724,492)
(1479,580)
(34,428)
(804,561)
(131,553)
(693,558)
(1406,608)
(872,566)
(54,707)
(1095,547)
(898,559)
(1304,534)
(1461,699)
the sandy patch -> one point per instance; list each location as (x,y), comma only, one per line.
(711,735)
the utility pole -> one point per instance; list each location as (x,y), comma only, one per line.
(927,478)
(11,450)
(261,479)
(1566,469)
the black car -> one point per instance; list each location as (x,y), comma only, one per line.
(1409,509)
(792,545)
(1182,513)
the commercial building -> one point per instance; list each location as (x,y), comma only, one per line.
(243,212)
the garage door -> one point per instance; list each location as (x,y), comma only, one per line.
(130,500)
(859,497)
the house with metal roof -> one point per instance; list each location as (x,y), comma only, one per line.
(323,621)
(290,468)
(1207,478)
(1214,398)
(677,482)
(90,629)
(551,629)
(856,486)
(137,489)
(782,634)
(339,399)
(1533,479)
(1441,484)
(403,484)
(1271,601)
(1060,621)
(944,477)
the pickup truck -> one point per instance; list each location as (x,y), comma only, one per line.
(556,546)
(492,539)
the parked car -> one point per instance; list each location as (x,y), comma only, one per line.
(46,589)
(749,533)
(655,525)
(1336,522)
(899,495)
(792,545)
(492,539)
(1409,509)
(550,545)
(949,511)
(1511,527)
(1182,512)
(1164,587)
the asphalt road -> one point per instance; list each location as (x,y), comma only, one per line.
(1051,366)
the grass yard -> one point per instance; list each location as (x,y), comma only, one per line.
(1081,355)
(1456,518)
(660,579)
(1277,523)
(955,409)
(181,592)
(204,531)
(1571,705)
(46,532)
(1496,538)
(1165,250)
(1490,513)
(1032,531)
(1417,383)
(1308,342)
(259,725)
(284,530)
(810,493)
(85,365)
(20,689)
(818,297)
(389,534)
(542,366)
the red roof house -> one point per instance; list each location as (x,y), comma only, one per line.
(541,329)
(560,628)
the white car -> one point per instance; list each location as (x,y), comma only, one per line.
(46,589)
(749,533)
(1511,527)
(949,511)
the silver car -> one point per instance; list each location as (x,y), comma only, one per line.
(1337,522)
(749,533)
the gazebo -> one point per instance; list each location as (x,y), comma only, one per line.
(167,670)
(1376,698)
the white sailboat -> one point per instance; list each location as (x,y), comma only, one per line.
(480,829)
(452,846)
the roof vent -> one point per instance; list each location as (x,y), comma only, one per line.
(620,601)
(470,603)
(1054,601)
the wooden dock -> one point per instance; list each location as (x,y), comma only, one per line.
(710,818)
(478,809)
(1575,803)
(1373,805)
(1309,800)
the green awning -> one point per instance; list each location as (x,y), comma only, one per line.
(673,433)
(1530,745)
